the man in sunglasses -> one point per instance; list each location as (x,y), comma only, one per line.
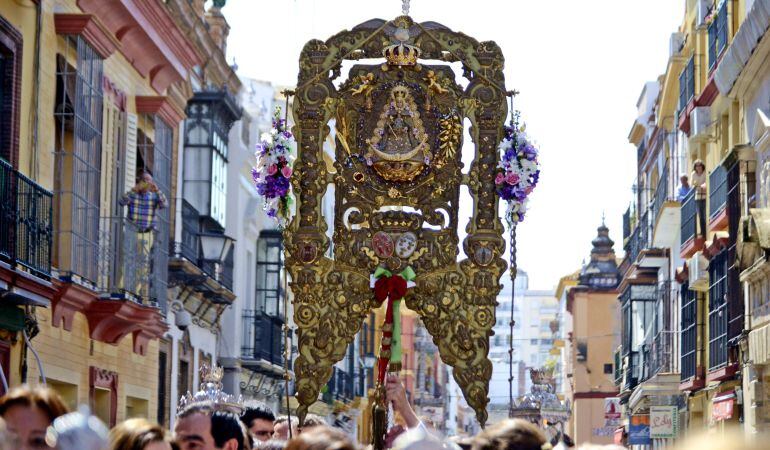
(259,420)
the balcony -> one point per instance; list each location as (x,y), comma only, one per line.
(340,387)
(661,346)
(691,239)
(26,218)
(718,314)
(131,262)
(718,198)
(718,36)
(667,213)
(262,341)
(640,238)
(188,269)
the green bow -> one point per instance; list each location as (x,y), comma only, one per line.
(407,274)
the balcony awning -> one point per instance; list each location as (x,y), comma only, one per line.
(723,406)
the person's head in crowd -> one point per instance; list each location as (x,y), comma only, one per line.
(464,442)
(730,437)
(272,444)
(79,430)
(7,442)
(28,412)
(138,434)
(420,439)
(321,438)
(281,427)
(511,434)
(259,419)
(313,420)
(601,447)
(200,426)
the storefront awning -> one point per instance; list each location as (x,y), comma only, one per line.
(723,406)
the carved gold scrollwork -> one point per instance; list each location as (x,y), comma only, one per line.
(382,113)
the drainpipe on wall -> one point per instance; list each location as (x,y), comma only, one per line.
(34,169)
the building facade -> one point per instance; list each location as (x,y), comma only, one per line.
(592,332)
(89,108)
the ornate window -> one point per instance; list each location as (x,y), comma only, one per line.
(718,313)
(78,115)
(10,91)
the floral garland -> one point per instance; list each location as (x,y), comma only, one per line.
(272,174)
(518,170)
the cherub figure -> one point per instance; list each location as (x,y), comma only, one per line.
(433,87)
(365,87)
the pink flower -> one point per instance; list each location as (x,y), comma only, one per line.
(499,178)
(286,172)
(272,169)
(511,178)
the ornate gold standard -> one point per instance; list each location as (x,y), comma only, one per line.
(397,176)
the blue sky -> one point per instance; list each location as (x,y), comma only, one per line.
(580,67)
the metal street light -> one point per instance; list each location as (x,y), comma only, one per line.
(215,247)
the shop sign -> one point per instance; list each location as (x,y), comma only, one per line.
(664,422)
(723,406)
(639,430)
(612,408)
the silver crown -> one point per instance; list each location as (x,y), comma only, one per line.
(211,393)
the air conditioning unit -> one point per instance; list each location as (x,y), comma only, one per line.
(675,44)
(697,268)
(701,11)
(700,119)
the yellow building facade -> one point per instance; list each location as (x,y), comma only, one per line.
(94,95)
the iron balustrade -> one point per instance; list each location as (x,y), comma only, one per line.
(262,337)
(627,224)
(717,191)
(661,193)
(735,299)
(689,332)
(662,343)
(687,85)
(689,217)
(718,314)
(127,261)
(189,247)
(618,367)
(26,222)
(640,238)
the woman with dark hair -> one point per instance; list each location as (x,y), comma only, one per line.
(28,412)
(511,434)
(698,180)
(138,434)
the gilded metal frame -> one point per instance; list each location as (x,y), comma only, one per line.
(332,296)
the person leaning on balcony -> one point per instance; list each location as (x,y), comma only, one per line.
(684,188)
(698,179)
(143,201)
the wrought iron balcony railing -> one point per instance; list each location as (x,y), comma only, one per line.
(262,337)
(26,222)
(132,261)
(661,344)
(689,332)
(687,85)
(689,217)
(717,191)
(662,193)
(627,224)
(640,238)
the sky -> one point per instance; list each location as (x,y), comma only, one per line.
(579,65)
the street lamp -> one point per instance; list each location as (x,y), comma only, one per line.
(215,247)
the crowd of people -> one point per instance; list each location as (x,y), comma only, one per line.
(36,418)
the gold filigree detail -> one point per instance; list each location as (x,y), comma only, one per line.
(456,300)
